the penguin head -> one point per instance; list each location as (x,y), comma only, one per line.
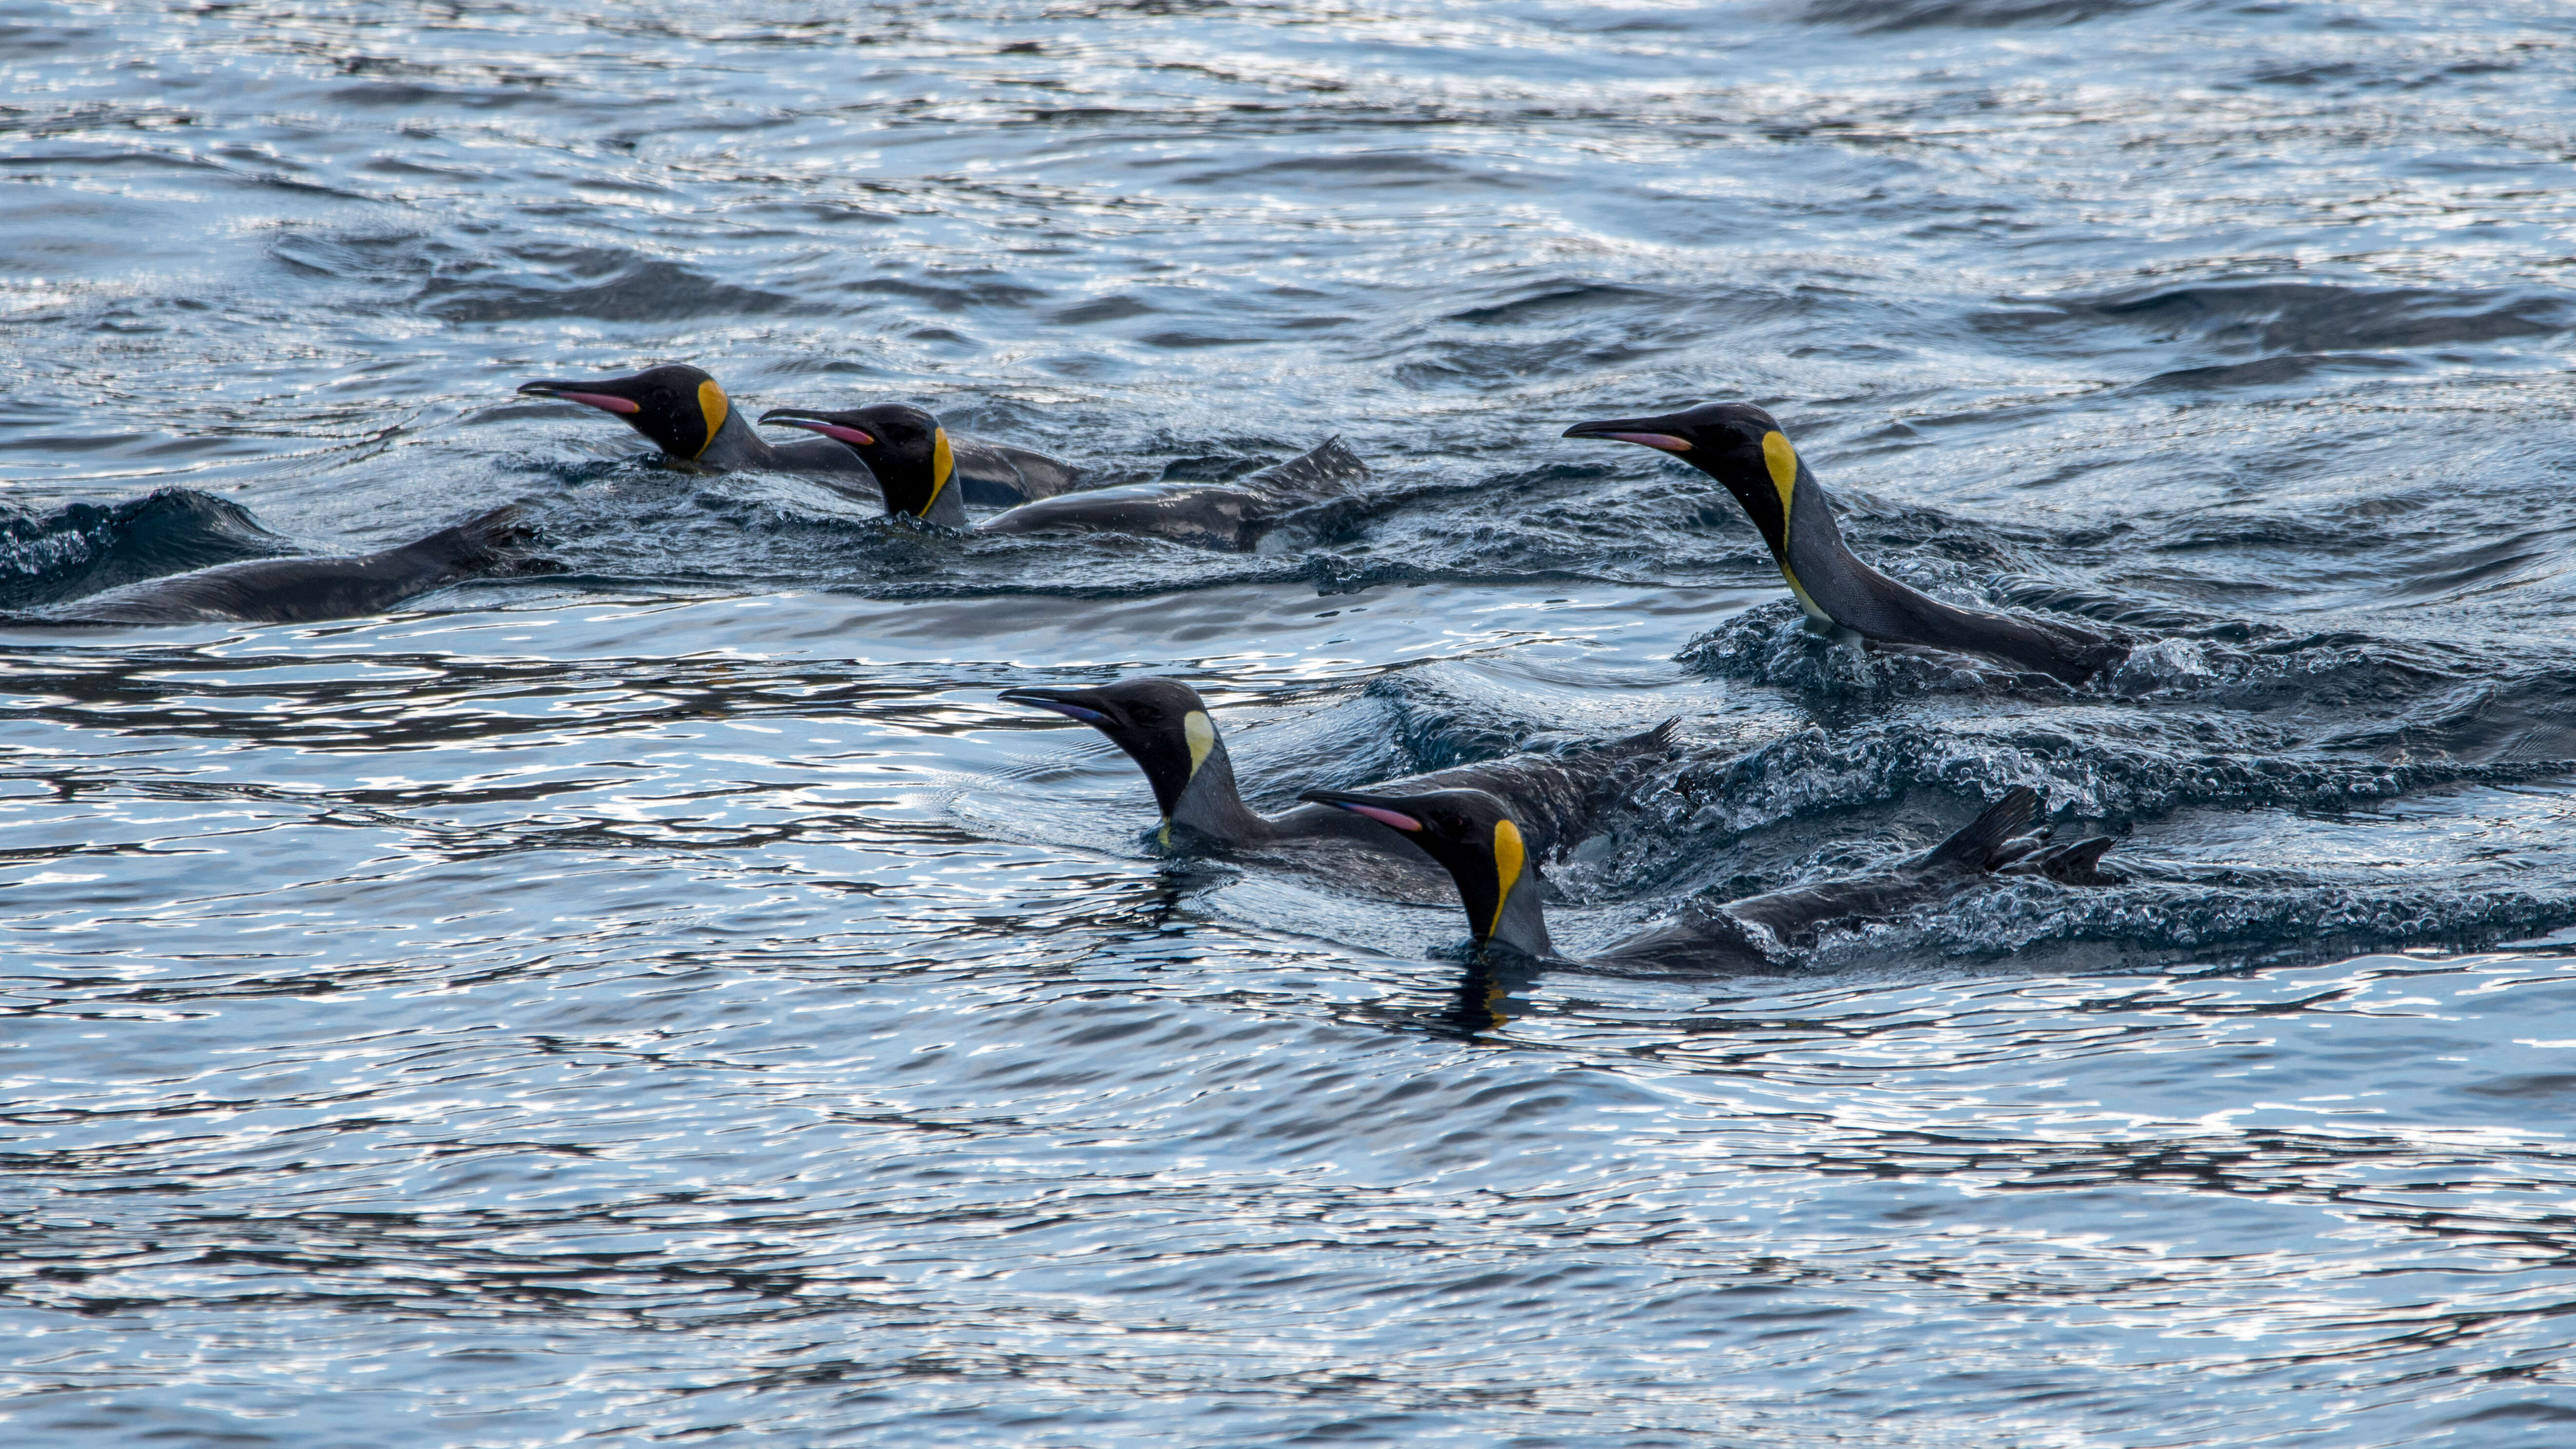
(1469,831)
(1737,444)
(1162,724)
(905,447)
(678,407)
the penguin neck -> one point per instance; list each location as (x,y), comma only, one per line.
(1835,587)
(948,510)
(1210,804)
(738,445)
(947,505)
(818,455)
(1522,926)
(1830,583)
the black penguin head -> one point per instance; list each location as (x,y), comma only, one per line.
(1162,724)
(1737,444)
(905,447)
(1469,831)
(679,407)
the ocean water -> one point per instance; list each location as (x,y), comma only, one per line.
(673,1001)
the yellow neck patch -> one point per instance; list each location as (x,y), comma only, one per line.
(943,466)
(1781,461)
(1201,733)
(1508,859)
(713,406)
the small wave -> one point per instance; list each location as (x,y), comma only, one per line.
(1559,302)
(2268,372)
(633,290)
(2103,763)
(1876,15)
(1102,309)
(82,548)
(2169,922)
(1362,168)
(953,296)
(2306,319)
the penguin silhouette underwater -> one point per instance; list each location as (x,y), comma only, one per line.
(1743,448)
(302,590)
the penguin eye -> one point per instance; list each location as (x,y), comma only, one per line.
(1144,713)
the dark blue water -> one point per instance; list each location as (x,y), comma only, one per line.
(673,1001)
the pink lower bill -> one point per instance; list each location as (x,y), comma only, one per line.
(831,430)
(601,400)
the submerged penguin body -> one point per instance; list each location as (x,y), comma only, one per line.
(1477,838)
(683,411)
(1742,447)
(916,463)
(999,475)
(1226,517)
(301,590)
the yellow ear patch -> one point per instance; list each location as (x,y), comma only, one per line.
(1509,856)
(1201,733)
(943,466)
(712,404)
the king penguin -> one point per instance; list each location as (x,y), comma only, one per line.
(916,463)
(1164,726)
(684,412)
(1478,838)
(1741,447)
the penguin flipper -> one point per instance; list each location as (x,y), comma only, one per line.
(1985,843)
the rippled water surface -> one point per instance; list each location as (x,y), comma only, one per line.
(672,1001)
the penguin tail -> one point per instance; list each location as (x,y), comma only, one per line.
(2078,864)
(1655,740)
(492,542)
(1335,456)
(1321,474)
(1986,842)
(1651,742)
